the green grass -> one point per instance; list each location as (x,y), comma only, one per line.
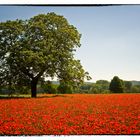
(15,95)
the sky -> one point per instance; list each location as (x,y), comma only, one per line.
(110,42)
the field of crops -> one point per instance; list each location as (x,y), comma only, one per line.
(71,114)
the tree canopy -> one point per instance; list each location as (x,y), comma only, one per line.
(116,85)
(42,46)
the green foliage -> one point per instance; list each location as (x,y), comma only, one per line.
(127,86)
(48,87)
(94,89)
(64,87)
(101,86)
(41,46)
(85,88)
(135,89)
(116,85)
(23,90)
(73,73)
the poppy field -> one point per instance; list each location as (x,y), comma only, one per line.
(75,114)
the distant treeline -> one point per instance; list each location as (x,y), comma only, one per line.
(101,86)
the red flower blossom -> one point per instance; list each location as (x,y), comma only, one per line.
(71,114)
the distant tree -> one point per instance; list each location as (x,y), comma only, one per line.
(23,89)
(64,87)
(102,82)
(135,89)
(49,88)
(101,86)
(94,89)
(85,88)
(116,85)
(127,86)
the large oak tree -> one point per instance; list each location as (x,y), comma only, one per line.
(42,46)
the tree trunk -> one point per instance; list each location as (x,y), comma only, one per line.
(33,88)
